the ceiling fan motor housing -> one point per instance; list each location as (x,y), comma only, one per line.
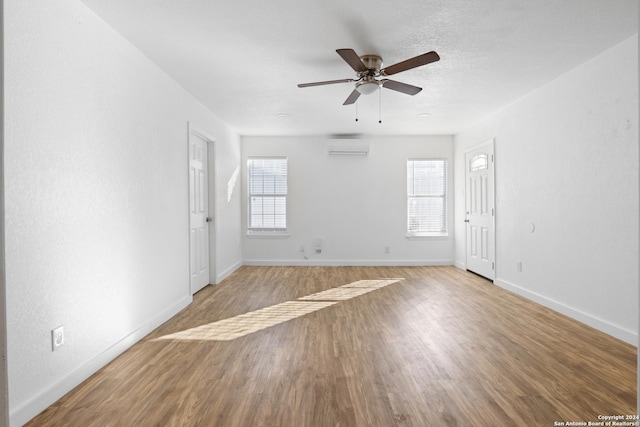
(372,62)
(368,83)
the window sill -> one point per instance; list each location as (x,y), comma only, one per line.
(428,236)
(268,234)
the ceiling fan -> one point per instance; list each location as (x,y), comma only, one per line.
(371,77)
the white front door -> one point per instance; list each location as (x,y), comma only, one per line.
(198,213)
(480,210)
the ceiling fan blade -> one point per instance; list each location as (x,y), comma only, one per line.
(418,61)
(352,98)
(401,87)
(352,58)
(328,82)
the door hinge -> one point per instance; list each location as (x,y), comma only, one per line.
(493,265)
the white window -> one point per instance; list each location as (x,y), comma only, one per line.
(267,194)
(479,162)
(427,197)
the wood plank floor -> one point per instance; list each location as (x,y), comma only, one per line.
(442,347)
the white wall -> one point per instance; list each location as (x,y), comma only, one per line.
(567,161)
(4,397)
(356,205)
(227,254)
(96,191)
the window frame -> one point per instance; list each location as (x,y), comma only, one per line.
(274,232)
(443,233)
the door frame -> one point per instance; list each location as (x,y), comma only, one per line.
(194,131)
(492,250)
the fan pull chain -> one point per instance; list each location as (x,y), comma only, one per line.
(380,105)
(356,111)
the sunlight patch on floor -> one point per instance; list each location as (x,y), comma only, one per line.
(379,283)
(248,323)
(337,294)
(254,321)
(348,291)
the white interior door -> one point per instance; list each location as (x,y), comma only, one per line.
(198,213)
(480,210)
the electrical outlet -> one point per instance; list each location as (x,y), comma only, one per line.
(57,337)
(387,250)
(302,248)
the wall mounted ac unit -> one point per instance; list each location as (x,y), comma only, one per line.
(348,147)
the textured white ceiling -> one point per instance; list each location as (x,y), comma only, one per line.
(244,58)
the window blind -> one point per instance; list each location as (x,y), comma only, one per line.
(267,194)
(427,197)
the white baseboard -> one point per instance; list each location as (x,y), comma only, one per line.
(220,277)
(461,265)
(348,263)
(51,394)
(625,335)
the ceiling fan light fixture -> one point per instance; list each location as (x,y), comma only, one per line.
(367,87)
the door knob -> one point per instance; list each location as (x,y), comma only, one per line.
(466,220)
(209,219)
